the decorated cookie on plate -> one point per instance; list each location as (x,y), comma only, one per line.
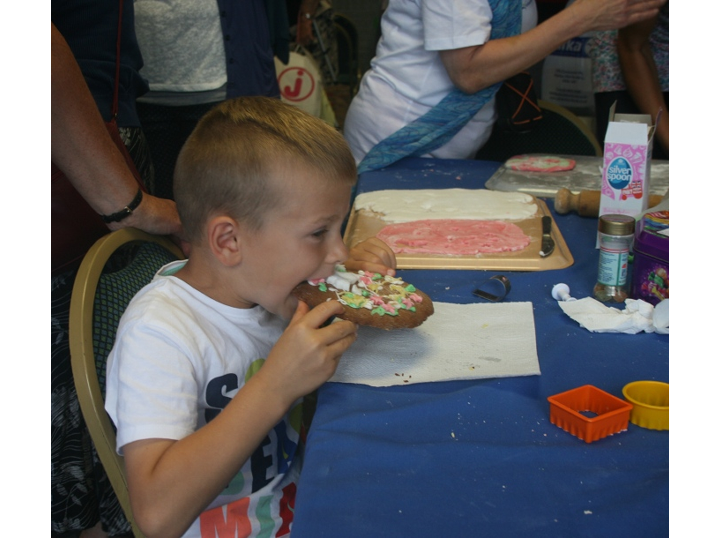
(371,299)
(540,163)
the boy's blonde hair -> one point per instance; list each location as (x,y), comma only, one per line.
(226,163)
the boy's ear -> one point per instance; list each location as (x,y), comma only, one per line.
(224,239)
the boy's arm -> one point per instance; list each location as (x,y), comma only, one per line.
(172,482)
(373,256)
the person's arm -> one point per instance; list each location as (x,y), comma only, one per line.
(473,68)
(172,482)
(83,150)
(641,75)
(304,24)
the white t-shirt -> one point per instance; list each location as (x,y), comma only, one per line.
(178,359)
(407,77)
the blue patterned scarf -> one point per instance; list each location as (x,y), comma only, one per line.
(442,122)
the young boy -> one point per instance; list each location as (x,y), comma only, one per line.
(206,376)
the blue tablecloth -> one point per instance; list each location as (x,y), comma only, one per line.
(481,458)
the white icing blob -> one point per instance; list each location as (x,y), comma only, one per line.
(409,205)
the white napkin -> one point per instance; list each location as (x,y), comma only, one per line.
(457,342)
(638,316)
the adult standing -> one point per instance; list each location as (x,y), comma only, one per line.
(631,69)
(432,53)
(196,54)
(84,39)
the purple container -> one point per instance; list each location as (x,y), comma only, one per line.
(651,267)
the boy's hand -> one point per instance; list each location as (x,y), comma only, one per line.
(307,354)
(372,255)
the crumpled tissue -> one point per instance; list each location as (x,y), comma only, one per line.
(470,341)
(638,316)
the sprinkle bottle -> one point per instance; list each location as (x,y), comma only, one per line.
(616,237)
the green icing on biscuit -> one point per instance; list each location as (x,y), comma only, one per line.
(352,300)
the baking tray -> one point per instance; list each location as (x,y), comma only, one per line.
(586,176)
(363,224)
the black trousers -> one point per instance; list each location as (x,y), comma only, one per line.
(166,129)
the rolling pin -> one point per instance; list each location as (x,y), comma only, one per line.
(586,203)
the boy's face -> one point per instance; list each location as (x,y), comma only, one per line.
(299,240)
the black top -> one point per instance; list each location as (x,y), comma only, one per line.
(90,28)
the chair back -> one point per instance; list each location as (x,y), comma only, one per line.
(559,132)
(116,267)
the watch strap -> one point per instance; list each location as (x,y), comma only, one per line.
(126,211)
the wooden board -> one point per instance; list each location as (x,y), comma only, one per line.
(363,225)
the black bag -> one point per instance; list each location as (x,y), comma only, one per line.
(516,104)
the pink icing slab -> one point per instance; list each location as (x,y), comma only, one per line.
(363,225)
(534,163)
(454,237)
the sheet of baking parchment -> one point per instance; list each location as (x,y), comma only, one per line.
(471,341)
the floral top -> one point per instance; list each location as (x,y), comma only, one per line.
(602,49)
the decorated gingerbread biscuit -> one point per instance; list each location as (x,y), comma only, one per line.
(380,301)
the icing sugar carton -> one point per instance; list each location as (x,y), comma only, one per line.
(626,164)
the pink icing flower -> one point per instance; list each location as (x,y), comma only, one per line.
(414,297)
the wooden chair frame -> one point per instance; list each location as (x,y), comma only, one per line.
(82,356)
(580,124)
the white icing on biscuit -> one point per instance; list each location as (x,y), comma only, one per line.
(382,295)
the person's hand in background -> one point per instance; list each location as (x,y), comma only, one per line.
(307,11)
(473,68)
(598,15)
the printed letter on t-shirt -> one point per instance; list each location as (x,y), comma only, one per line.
(215,394)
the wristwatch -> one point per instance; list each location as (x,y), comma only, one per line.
(126,211)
